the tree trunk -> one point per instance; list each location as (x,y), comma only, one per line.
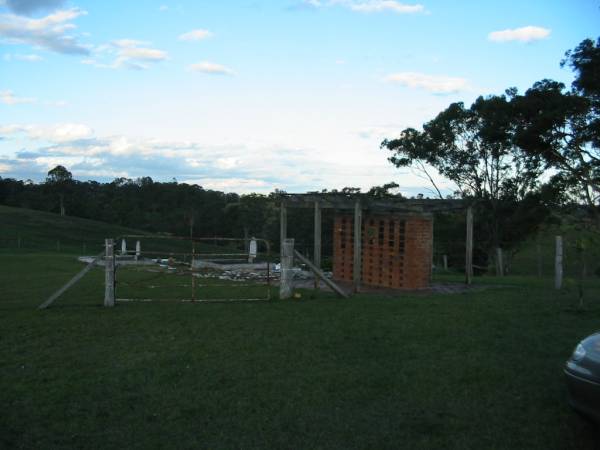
(62,204)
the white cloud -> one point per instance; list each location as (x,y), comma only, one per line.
(57,103)
(50,32)
(385,5)
(5,168)
(19,57)
(7,130)
(59,133)
(69,132)
(210,68)
(227,162)
(126,53)
(130,54)
(312,3)
(523,34)
(367,6)
(436,84)
(8,98)
(163,8)
(233,184)
(236,166)
(193,162)
(49,162)
(195,35)
(379,133)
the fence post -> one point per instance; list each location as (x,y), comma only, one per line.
(499,263)
(469,247)
(445,262)
(558,263)
(138,249)
(282,224)
(286,282)
(252,250)
(109,273)
(538,254)
(317,241)
(357,256)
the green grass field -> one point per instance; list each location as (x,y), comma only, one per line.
(475,370)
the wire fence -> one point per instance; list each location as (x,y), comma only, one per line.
(535,257)
(152,268)
(79,246)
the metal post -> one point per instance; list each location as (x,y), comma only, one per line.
(109,273)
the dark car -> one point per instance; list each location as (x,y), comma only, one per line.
(583,377)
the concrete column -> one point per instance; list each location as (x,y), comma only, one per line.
(286,283)
(252,250)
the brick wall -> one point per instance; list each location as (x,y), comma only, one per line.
(396,251)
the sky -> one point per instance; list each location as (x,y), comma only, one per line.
(253,96)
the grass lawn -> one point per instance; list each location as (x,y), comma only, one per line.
(476,370)
(480,370)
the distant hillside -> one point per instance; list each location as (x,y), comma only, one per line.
(42,231)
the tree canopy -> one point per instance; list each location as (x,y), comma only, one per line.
(59,175)
(508,150)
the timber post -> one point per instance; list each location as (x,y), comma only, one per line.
(469,247)
(282,226)
(538,254)
(286,282)
(357,263)
(558,263)
(317,241)
(109,273)
(499,263)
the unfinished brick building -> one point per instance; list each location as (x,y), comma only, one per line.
(397,250)
(394,248)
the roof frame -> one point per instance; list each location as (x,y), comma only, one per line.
(373,204)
